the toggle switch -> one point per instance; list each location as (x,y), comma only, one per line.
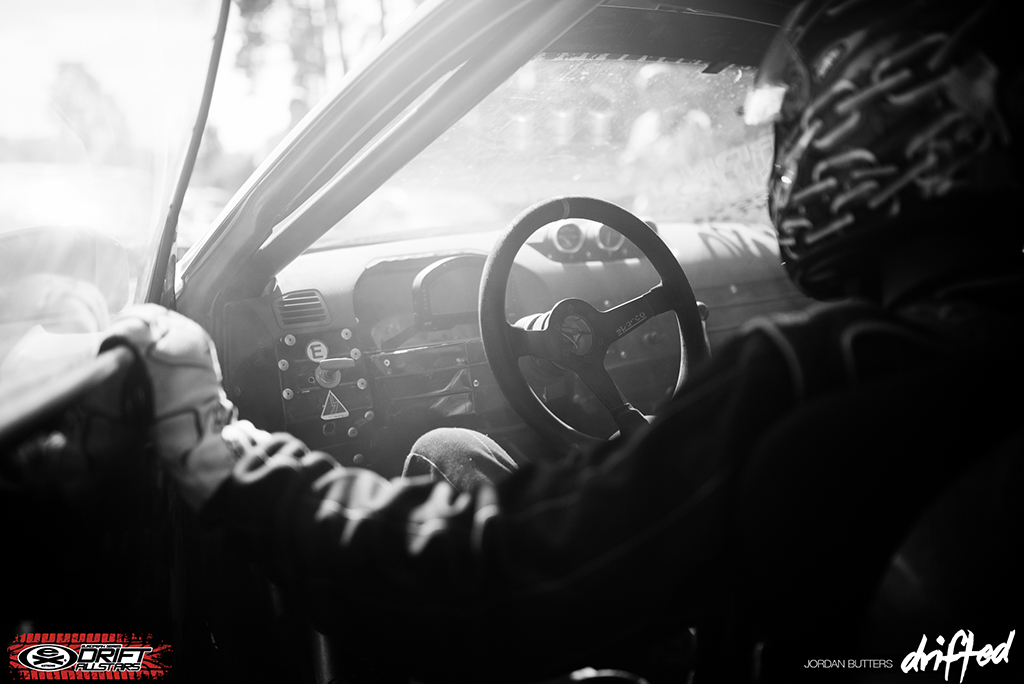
(328,371)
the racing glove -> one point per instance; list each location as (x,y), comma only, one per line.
(193,428)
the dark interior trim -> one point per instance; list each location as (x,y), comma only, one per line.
(31,407)
(670,34)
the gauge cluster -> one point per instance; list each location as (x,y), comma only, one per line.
(576,240)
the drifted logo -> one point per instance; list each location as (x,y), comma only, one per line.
(919,660)
(87,656)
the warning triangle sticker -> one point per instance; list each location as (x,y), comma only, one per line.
(333,408)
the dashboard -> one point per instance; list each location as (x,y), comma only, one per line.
(360,350)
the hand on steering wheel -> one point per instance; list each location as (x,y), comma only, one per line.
(574,334)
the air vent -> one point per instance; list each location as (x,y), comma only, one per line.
(301,309)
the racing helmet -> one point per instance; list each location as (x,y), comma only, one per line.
(887,114)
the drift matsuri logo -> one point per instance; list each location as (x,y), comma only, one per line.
(87,656)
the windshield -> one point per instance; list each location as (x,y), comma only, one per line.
(664,140)
(99,100)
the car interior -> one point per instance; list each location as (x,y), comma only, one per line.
(356,302)
(358,346)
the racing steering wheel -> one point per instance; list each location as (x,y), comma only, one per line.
(574,334)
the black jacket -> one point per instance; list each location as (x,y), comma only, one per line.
(770,493)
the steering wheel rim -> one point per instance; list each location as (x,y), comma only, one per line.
(547,337)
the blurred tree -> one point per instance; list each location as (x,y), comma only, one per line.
(252,12)
(331,10)
(91,114)
(309,21)
(316,39)
(306,43)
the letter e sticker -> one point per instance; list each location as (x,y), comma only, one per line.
(316,351)
(333,408)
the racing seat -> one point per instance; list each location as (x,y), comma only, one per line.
(855,537)
(958,568)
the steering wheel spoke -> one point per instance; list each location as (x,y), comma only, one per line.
(623,319)
(591,370)
(530,337)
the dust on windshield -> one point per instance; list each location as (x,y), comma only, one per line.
(664,140)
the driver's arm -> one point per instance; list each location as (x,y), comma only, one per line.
(557,563)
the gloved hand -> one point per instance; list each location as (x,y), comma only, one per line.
(193,424)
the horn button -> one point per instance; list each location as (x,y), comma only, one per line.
(577,335)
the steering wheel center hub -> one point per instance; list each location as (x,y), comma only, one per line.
(577,335)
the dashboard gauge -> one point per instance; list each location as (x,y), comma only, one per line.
(568,238)
(609,239)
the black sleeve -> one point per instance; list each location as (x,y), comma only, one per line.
(560,562)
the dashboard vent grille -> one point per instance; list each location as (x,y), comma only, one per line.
(300,309)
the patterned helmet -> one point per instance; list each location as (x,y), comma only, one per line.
(880,108)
